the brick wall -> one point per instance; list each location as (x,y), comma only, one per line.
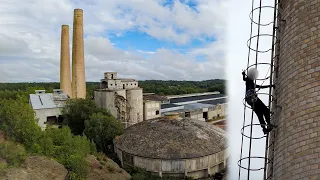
(297,137)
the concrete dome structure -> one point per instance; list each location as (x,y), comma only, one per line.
(173,146)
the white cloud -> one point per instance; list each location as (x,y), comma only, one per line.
(30,38)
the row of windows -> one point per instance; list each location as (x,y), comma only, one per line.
(127,84)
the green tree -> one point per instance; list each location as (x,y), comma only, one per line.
(17,120)
(102,129)
(77,111)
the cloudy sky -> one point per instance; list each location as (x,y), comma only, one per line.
(143,39)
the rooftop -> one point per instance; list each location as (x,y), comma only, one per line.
(48,100)
(165,106)
(154,97)
(215,101)
(161,138)
(196,98)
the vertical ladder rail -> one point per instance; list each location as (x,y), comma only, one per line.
(270,98)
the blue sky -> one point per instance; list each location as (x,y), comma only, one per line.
(136,40)
(142,39)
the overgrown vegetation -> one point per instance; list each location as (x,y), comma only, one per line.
(102,130)
(84,117)
(13,154)
(17,121)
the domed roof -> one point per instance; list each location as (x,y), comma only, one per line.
(172,139)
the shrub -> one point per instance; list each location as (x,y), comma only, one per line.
(13,153)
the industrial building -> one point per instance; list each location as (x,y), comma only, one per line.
(200,106)
(75,88)
(122,97)
(48,106)
(152,105)
(173,146)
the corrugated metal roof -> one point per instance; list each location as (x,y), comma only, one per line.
(48,100)
(215,101)
(196,98)
(195,106)
(165,106)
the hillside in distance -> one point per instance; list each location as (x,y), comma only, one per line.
(161,87)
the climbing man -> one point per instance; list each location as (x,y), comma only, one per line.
(252,99)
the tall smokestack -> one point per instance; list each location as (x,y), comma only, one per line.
(65,81)
(78,70)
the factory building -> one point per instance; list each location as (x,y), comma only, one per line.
(199,106)
(152,105)
(173,146)
(122,97)
(48,106)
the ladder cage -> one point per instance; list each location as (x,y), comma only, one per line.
(255,56)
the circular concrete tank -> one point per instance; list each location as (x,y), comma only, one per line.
(173,146)
(297,145)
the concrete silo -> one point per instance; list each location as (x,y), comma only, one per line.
(296,140)
(134,108)
(122,97)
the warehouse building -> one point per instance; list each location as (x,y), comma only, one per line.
(203,107)
(152,105)
(48,106)
(173,146)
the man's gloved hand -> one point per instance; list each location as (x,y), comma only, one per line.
(243,72)
(274,86)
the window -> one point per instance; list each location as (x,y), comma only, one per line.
(110,84)
(187,114)
(51,120)
(157,112)
(115,84)
(111,76)
(135,83)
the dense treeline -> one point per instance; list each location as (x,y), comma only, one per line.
(149,86)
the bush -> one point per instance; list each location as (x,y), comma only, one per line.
(77,111)
(13,153)
(102,129)
(18,122)
(77,164)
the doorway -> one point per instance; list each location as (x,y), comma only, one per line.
(205,115)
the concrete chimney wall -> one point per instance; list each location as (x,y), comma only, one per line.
(78,69)
(65,79)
